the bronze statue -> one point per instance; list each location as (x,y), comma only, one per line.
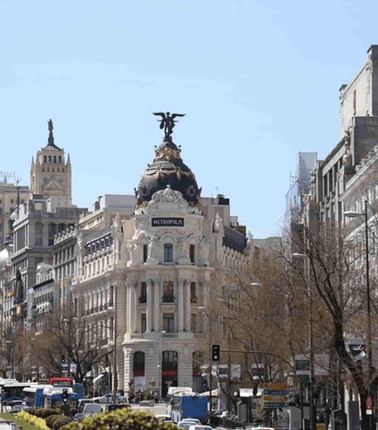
(168,122)
(50,125)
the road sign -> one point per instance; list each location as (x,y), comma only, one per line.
(275,395)
(369,405)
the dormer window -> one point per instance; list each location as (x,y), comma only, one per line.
(192,253)
(145,253)
(168,252)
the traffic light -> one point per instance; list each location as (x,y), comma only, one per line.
(65,395)
(215,352)
(62,359)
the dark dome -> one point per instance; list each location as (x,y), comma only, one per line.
(168,169)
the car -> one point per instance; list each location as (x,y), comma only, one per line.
(113,406)
(164,417)
(108,398)
(200,427)
(8,425)
(184,424)
(91,409)
(82,403)
(79,416)
(192,420)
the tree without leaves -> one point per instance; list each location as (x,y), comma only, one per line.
(78,338)
(329,270)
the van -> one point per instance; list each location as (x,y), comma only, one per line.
(92,408)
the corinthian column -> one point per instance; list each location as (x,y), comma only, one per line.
(180,306)
(157,306)
(186,294)
(149,314)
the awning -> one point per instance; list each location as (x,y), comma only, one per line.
(98,377)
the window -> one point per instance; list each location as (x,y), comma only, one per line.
(143,323)
(192,253)
(169,323)
(12,200)
(168,290)
(143,293)
(193,323)
(38,234)
(193,296)
(145,253)
(168,252)
(138,360)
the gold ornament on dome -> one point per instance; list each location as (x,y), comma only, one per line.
(177,171)
(167,153)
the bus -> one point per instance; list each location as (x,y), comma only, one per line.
(189,406)
(53,397)
(61,381)
(175,391)
(33,397)
(13,391)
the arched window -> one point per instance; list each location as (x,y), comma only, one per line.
(168,252)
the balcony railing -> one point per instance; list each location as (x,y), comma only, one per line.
(168,298)
(142,299)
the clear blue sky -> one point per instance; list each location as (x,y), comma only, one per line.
(258,80)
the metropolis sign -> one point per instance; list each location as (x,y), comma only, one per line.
(167,222)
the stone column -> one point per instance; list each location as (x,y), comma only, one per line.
(133,305)
(186,295)
(157,305)
(180,305)
(149,314)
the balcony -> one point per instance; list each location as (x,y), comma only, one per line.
(168,298)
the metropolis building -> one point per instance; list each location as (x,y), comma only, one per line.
(144,275)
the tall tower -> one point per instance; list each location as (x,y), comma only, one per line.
(50,174)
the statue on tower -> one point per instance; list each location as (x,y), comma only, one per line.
(51,136)
(167,122)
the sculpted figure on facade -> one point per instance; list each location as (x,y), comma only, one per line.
(153,248)
(347,157)
(204,250)
(218,224)
(167,196)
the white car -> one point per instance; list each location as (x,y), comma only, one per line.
(164,417)
(108,398)
(184,424)
(200,427)
(191,420)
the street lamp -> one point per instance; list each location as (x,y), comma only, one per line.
(351,214)
(311,346)
(204,312)
(160,365)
